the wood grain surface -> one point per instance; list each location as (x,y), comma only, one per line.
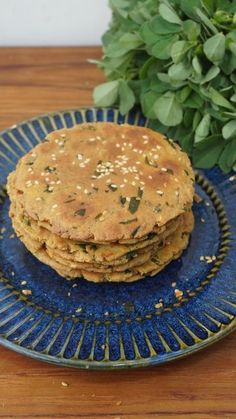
(202,386)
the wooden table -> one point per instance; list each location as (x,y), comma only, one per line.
(203,386)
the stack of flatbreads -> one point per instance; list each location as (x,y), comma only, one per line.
(103,201)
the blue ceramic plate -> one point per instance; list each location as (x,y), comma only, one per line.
(82,324)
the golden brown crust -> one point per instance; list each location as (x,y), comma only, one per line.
(103,182)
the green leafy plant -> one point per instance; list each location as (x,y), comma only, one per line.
(177,60)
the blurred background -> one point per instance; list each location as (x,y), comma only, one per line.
(52,22)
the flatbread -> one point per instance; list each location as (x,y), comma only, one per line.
(173,248)
(112,254)
(103,182)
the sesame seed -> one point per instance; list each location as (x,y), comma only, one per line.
(36,182)
(86,191)
(156,156)
(58,182)
(64,384)
(73,163)
(149,177)
(158,147)
(123,136)
(47,179)
(159,192)
(54,206)
(33,154)
(26,292)
(43,174)
(158,305)
(122,186)
(128,199)
(202,220)
(23,282)
(232,178)
(78,187)
(142,183)
(78,310)
(207,204)
(98,138)
(145,142)
(61,151)
(38,198)
(163,169)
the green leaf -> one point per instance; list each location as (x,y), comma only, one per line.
(189,7)
(148,101)
(196,120)
(191,29)
(183,94)
(168,110)
(233,98)
(147,35)
(127,98)
(228,156)
(209,155)
(179,49)
(188,118)
(214,48)
(162,47)
(207,22)
(219,99)
(180,71)
(197,65)
(203,129)
(169,14)
(126,43)
(143,72)
(161,27)
(229,129)
(119,6)
(186,142)
(211,74)
(194,101)
(106,94)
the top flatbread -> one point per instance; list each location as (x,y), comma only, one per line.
(103,182)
